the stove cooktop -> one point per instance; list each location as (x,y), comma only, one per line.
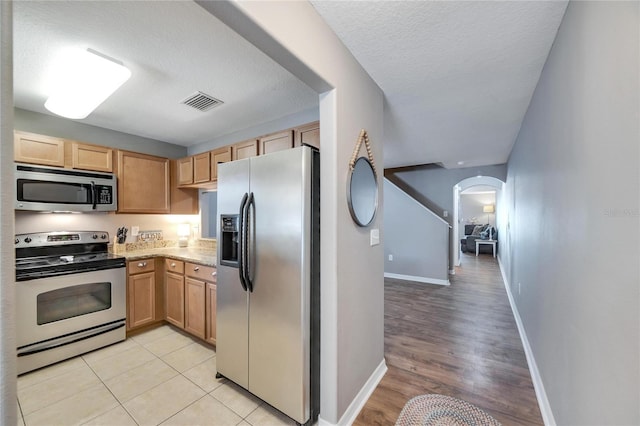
(40,255)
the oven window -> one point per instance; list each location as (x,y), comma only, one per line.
(53,192)
(73,301)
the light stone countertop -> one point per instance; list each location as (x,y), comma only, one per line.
(202,252)
(200,256)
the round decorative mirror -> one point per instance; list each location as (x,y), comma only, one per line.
(362,192)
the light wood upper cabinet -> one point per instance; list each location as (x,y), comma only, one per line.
(308,134)
(276,142)
(91,157)
(245,149)
(143,183)
(185,171)
(201,168)
(38,149)
(183,200)
(220,155)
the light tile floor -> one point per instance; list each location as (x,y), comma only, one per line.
(159,377)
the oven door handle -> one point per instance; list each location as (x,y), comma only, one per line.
(94,196)
(69,339)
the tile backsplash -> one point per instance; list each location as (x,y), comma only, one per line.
(110,222)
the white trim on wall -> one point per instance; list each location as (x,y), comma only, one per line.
(541,394)
(418,279)
(360,400)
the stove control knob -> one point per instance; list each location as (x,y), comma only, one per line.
(27,240)
(17,241)
(103,236)
(94,236)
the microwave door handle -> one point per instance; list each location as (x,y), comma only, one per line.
(94,198)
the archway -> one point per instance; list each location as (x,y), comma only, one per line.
(463,185)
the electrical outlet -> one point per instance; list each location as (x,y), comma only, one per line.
(135,230)
(445,213)
(390,258)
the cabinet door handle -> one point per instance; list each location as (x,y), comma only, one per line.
(214,273)
(196,269)
(173,265)
(142,264)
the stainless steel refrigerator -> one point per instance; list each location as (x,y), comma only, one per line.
(268,292)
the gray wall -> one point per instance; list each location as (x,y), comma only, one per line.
(44,124)
(417,239)
(436,183)
(573,191)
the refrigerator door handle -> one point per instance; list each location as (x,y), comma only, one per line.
(241,254)
(249,240)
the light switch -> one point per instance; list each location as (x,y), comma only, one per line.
(374,237)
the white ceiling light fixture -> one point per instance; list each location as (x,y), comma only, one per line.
(82,81)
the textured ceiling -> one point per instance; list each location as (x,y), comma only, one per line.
(173,49)
(457,76)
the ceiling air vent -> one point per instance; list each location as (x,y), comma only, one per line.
(202,101)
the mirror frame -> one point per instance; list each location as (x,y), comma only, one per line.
(355,215)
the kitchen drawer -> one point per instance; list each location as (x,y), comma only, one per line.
(139,266)
(172,265)
(205,273)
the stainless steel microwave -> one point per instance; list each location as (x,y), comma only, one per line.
(54,189)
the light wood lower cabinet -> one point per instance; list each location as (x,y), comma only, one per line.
(210,312)
(190,291)
(141,293)
(194,307)
(174,298)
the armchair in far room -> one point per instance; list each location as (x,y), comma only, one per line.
(478,232)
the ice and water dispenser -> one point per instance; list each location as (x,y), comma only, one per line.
(229,238)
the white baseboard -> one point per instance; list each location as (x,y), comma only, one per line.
(360,400)
(418,279)
(541,394)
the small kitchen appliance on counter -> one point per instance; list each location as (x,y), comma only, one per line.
(70,296)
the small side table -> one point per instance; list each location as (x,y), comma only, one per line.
(492,242)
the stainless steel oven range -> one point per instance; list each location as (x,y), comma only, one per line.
(70,294)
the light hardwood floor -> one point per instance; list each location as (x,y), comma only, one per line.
(461,341)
